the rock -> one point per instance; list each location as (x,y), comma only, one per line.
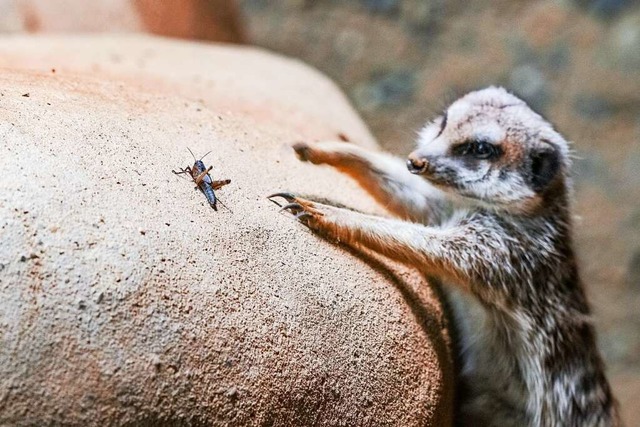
(543,22)
(234,317)
(621,342)
(633,271)
(381,6)
(592,169)
(593,107)
(216,20)
(629,385)
(530,83)
(605,8)
(387,90)
(623,43)
(350,44)
(422,15)
(558,58)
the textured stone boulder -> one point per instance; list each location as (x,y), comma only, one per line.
(126,300)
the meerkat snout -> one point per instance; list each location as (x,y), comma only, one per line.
(416,165)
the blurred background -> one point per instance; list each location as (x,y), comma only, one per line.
(577,62)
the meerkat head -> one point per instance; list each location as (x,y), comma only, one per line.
(491,147)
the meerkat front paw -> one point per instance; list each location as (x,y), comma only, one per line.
(316,216)
(329,152)
(307,153)
(304,210)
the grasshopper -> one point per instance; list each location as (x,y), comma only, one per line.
(200,175)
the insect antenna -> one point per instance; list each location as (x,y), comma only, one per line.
(194,157)
(204,156)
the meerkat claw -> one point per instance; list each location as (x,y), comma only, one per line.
(301,209)
(303,217)
(298,212)
(295,208)
(287,196)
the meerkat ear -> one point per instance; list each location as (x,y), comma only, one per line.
(545,165)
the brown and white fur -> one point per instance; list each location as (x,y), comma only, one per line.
(486,210)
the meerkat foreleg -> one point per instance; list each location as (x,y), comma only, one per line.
(451,254)
(383,176)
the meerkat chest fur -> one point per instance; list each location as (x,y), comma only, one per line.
(526,346)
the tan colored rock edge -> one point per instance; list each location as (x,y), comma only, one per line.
(126,300)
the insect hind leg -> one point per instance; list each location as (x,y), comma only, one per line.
(219,184)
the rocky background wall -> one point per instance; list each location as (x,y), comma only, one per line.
(576,62)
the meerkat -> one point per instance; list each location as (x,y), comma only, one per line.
(483,205)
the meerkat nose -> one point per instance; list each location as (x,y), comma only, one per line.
(416,165)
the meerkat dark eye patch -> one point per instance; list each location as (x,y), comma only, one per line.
(477,149)
(461,149)
(545,164)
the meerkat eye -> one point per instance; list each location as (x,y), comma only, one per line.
(477,148)
(482,149)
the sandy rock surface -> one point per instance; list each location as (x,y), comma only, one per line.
(126,300)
